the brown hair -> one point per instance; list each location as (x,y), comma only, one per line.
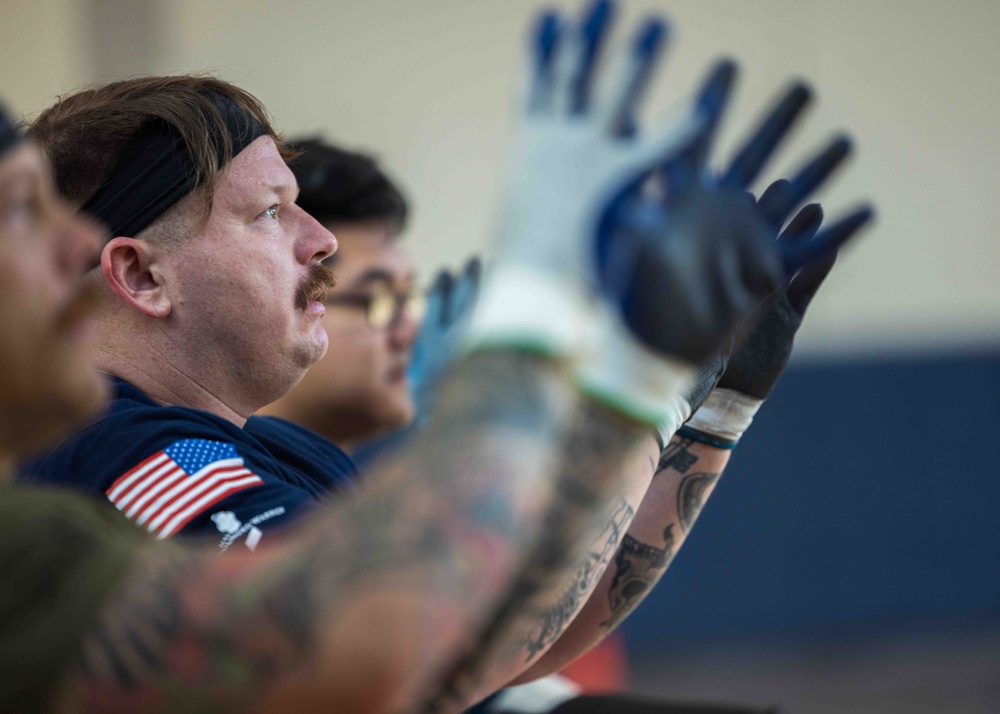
(86,136)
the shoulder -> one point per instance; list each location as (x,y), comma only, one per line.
(127,434)
(170,469)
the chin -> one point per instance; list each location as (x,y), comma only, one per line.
(401,414)
(311,353)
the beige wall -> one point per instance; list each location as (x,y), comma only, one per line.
(429,85)
(42,51)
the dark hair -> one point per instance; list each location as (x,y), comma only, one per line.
(339,185)
(88,135)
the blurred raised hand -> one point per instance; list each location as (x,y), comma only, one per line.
(684,255)
(449,304)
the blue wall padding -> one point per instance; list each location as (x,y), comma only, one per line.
(866,495)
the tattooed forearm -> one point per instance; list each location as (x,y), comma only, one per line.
(443,526)
(677,456)
(691,496)
(592,453)
(637,568)
(554,620)
(655,535)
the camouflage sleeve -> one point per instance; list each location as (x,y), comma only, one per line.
(60,554)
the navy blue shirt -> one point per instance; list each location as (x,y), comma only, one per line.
(175,470)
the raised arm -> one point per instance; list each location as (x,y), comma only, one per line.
(649,264)
(688,469)
(624,564)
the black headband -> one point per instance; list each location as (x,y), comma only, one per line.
(159,171)
(9,134)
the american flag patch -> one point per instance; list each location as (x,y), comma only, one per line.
(173,486)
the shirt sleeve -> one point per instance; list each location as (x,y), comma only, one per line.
(175,473)
(61,555)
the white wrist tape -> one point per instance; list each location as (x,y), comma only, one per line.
(525,308)
(725,414)
(618,370)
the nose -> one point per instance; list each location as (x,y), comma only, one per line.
(315,242)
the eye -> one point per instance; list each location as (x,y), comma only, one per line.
(271,212)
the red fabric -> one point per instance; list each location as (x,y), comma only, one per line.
(603,669)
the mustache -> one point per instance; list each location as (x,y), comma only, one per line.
(82,306)
(316,285)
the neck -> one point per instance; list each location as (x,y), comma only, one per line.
(167,385)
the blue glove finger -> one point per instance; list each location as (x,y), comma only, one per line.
(428,345)
(713,97)
(798,254)
(594,29)
(686,166)
(777,209)
(464,292)
(646,49)
(438,298)
(759,148)
(805,225)
(544,42)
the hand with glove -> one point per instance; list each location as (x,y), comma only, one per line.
(803,227)
(570,156)
(449,304)
(763,346)
(683,268)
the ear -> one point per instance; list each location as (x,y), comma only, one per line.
(131,270)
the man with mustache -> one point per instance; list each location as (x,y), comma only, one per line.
(209,314)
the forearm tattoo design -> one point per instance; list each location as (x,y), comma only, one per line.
(554,620)
(638,566)
(596,446)
(193,632)
(691,497)
(677,456)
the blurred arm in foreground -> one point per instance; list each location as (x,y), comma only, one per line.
(700,237)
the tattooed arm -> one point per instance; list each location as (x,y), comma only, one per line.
(364,608)
(592,496)
(685,477)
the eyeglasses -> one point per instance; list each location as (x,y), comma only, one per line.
(383,307)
